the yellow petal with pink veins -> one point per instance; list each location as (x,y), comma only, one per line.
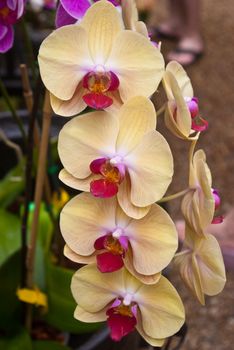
(124,199)
(70,107)
(86,138)
(84,316)
(102,23)
(182,79)
(136,118)
(78,184)
(150,167)
(84,219)
(140,65)
(160,305)
(62,56)
(154,241)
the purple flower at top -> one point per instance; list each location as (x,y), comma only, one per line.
(70,11)
(10,12)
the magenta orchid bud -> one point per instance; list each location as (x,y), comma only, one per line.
(217,198)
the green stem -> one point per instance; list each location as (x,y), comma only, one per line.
(13,111)
(174,196)
(29,48)
(161,110)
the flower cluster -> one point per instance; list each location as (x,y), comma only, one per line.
(124,165)
(10,12)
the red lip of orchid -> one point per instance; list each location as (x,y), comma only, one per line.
(98,83)
(115,246)
(113,174)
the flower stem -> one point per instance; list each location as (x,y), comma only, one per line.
(40,178)
(161,110)
(13,111)
(174,196)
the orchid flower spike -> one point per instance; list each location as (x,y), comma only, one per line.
(97,229)
(198,205)
(10,12)
(182,112)
(120,154)
(156,311)
(97,63)
(202,267)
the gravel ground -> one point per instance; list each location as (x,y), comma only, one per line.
(210,327)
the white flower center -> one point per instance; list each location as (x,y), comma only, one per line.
(116,160)
(117,233)
(127,299)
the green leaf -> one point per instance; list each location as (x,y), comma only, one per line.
(61,302)
(12,185)
(48,345)
(18,340)
(9,235)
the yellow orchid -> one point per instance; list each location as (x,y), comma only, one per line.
(198,205)
(181,115)
(98,229)
(156,311)
(201,265)
(130,18)
(119,155)
(98,63)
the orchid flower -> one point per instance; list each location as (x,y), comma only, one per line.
(156,311)
(70,11)
(198,205)
(10,12)
(182,112)
(201,265)
(96,229)
(97,63)
(119,155)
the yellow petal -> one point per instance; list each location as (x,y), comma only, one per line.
(139,64)
(78,184)
(128,263)
(62,58)
(150,167)
(161,309)
(182,120)
(182,79)
(85,138)
(124,199)
(70,107)
(154,241)
(150,340)
(84,219)
(80,259)
(211,266)
(94,290)
(102,22)
(136,117)
(84,316)
(129,13)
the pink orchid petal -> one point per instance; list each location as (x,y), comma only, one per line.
(6,41)
(108,262)
(99,243)
(103,188)
(122,170)
(200,127)
(217,198)
(193,107)
(96,164)
(217,220)
(114,82)
(120,325)
(116,303)
(3,31)
(97,101)
(63,18)
(76,9)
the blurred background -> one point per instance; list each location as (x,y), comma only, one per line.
(212,75)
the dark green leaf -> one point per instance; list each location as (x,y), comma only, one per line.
(17,340)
